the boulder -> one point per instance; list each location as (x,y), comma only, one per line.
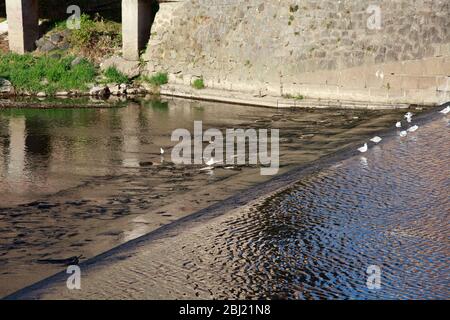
(131,69)
(56,37)
(117,90)
(4,27)
(47,46)
(64,46)
(6,88)
(99,91)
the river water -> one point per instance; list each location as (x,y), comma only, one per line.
(77,181)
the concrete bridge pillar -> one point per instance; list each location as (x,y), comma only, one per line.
(136,24)
(23,24)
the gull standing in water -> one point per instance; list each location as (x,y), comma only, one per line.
(376,139)
(211,162)
(364,148)
(445,111)
(408,117)
(413,128)
(398,124)
(403,134)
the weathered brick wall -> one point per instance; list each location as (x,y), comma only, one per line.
(322,48)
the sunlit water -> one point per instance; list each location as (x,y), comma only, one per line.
(314,240)
(77,181)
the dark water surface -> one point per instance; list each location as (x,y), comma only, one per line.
(77,181)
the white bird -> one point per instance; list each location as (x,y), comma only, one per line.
(211,162)
(161,151)
(364,148)
(398,124)
(403,134)
(445,111)
(376,139)
(413,128)
(408,117)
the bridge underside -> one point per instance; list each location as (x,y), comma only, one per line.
(23,25)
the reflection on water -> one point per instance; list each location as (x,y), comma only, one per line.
(74,181)
(314,240)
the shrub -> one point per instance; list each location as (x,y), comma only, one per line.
(198,84)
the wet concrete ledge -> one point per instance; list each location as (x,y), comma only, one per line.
(245,98)
(245,198)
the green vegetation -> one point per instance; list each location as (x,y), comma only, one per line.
(112,75)
(46,74)
(91,29)
(158,79)
(296,97)
(198,84)
(291,18)
(96,37)
(293,8)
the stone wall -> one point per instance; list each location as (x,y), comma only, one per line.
(317,48)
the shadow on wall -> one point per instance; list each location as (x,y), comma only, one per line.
(57,9)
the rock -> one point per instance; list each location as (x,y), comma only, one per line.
(55,38)
(76,61)
(145,163)
(4,27)
(99,91)
(47,46)
(62,94)
(64,46)
(56,56)
(132,91)
(131,69)
(65,33)
(40,42)
(6,87)
(116,90)
(41,94)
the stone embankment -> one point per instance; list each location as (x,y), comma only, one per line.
(362,50)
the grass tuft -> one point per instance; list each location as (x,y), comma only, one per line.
(113,75)
(198,84)
(158,79)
